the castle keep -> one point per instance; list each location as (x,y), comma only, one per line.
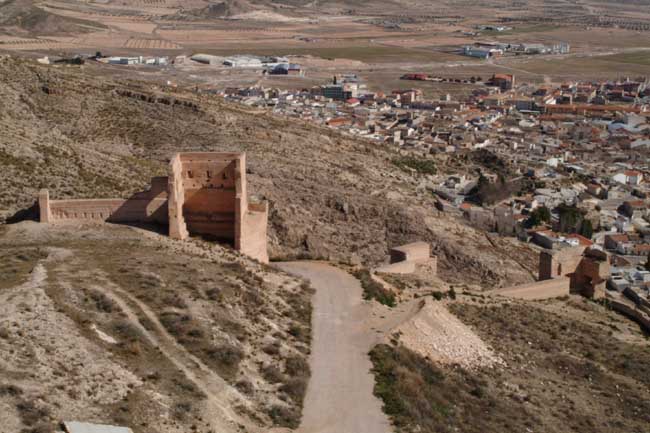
(204,194)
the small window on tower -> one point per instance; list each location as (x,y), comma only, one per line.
(190,174)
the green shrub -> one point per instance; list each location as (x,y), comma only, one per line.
(373,289)
(420,165)
(284,416)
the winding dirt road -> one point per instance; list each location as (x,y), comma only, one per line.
(339,396)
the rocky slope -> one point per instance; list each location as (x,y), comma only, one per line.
(331,196)
(568,365)
(111,324)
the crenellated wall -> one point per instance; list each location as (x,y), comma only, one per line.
(147,207)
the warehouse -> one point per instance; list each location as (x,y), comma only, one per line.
(243,62)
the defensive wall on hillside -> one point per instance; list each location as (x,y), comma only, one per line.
(578,269)
(538,290)
(587,268)
(205,194)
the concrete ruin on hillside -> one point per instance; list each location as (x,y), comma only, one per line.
(406,259)
(204,194)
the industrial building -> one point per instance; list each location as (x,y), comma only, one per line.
(207,59)
(287,69)
(481,53)
(485,50)
(243,62)
(158,61)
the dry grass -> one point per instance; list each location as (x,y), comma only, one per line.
(16,264)
(421,397)
(222,311)
(568,369)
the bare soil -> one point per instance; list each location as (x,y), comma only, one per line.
(118,325)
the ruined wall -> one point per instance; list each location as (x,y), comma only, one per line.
(418,252)
(405,267)
(145,207)
(553,264)
(208,196)
(209,205)
(407,258)
(45,212)
(546,289)
(633,313)
(177,227)
(253,232)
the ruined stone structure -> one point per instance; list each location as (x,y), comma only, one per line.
(581,269)
(587,268)
(405,259)
(205,194)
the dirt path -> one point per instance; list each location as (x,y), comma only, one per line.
(220,396)
(339,396)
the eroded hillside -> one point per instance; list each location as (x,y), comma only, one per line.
(569,365)
(116,325)
(81,135)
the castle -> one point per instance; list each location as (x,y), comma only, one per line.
(204,194)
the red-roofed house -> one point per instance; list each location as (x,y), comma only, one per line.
(583,241)
(612,241)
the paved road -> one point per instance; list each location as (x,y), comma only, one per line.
(339,396)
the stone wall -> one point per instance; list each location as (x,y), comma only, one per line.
(418,252)
(145,207)
(546,289)
(633,313)
(176,192)
(253,233)
(587,268)
(553,264)
(407,258)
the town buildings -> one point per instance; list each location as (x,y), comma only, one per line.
(583,149)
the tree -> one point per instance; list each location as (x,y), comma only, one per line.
(539,215)
(587,229)
(570,218)
(647,264)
